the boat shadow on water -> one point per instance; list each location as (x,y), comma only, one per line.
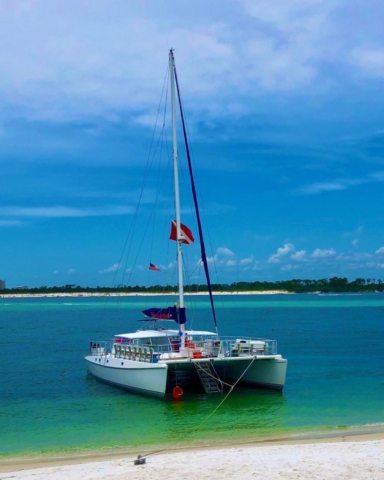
(244,414)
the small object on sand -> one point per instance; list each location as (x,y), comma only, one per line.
(139,460)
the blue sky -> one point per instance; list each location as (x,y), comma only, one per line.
(285,111)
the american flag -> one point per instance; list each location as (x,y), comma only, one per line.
(154,268)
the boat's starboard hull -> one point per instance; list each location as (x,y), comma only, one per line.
(140,377)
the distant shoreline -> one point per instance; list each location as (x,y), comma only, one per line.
(136,294)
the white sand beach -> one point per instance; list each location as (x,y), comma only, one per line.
(130,294)
(343,458)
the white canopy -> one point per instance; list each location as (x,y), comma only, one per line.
(163,333)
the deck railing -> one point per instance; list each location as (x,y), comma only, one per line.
(197,347)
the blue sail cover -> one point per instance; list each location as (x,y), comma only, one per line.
(170,313)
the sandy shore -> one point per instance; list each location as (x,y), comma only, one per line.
(124,294)
(345,458)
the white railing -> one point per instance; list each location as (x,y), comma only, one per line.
(197,347)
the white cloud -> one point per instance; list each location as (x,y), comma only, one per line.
(281,252)
(55,272)
(321,187)
(355,233)
(288,267)
(10,223)
(224,257)
(76,59)
(293,40)
(108,67)
(225,252)
(326,253)
(71,271)
(379,176)
(246,261)
(370,61)
(289,15)
(338,184)
(355,242)
(286,259)
(113,268)
(231,263)
(299,256)
(64,211)
(361,257)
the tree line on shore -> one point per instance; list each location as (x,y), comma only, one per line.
(325,285)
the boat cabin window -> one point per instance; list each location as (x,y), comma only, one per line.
(154,341)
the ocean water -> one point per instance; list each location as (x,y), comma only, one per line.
(49,404)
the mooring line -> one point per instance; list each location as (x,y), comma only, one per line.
(141,458)
(225,398)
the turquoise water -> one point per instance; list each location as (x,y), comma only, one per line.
(48,403)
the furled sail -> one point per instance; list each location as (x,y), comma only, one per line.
(170,313)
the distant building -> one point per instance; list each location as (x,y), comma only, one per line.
(2,284)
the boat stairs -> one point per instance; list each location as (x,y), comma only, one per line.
(209,377)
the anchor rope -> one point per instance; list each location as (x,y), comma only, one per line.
(225,398)
(192,431)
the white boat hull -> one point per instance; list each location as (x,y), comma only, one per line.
(264,371)
(141,377)
(267,373)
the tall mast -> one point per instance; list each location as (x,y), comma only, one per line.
(177,189)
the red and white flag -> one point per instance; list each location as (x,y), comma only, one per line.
(186,234)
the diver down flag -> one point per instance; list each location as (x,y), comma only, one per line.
(186,234)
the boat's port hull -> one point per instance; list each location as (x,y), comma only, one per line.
(269,373)
(140,377)
(263,371)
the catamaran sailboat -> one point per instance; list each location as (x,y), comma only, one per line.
(154,361)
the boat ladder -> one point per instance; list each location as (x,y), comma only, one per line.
(209,377)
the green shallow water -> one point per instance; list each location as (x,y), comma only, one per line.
(49,404)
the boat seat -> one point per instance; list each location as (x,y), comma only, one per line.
(141,354)
(136,353)
(148,354)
